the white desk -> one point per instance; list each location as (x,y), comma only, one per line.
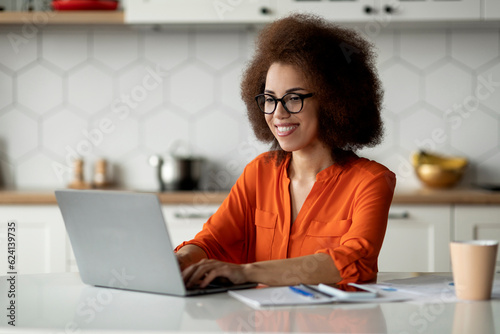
(61,303)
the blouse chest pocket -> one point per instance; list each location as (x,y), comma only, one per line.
(265,228)
(322,235)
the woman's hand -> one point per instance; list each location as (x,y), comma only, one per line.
(205,271)
(188,255)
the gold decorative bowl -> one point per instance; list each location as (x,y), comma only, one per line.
(436,171)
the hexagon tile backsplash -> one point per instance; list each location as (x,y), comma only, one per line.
(124,94)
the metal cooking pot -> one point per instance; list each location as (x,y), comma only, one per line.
(177,173)
(178,170)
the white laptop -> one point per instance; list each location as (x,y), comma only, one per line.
(120,240)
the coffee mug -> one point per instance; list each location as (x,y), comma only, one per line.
(473,263)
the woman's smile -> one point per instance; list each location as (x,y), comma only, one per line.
(284,130)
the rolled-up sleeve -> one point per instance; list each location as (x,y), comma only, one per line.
(356,256)
(229,234)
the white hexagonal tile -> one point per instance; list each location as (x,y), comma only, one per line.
(39,89)
(167,50)
(6,89)
(388,141)
(230,93)
(474,48)
(38,172)
(487,90)
(192,88)
(210,50)
(116,49)
(422,48)
(423,130)
(136,173)
(216,133)
(63,129)
(248,146)
(74,44)
(19,134)
(384,46)
(249,42)
(447,86)
(18,47)
(122,137)
(90,89)
(143,87)
(400,164)
(163,129)
(487,170)
(401,88)
(476,135)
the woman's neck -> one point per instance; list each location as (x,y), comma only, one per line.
(308,165)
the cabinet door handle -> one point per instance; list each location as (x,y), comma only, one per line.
(368,10)
(389,9)
(193,215)
(399,215)
(265,11)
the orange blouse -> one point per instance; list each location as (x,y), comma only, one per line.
(344,215)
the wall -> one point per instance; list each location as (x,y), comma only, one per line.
(124,94)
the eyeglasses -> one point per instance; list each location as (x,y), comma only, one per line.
(292,102)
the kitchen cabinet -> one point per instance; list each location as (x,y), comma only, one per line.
(199,11)
(410,10)
(185,221)
(42,244)
(375,13)
(356,10)
(474,222)
(40,239)
(417,239)
(491,10)
(386,11)
(262,11)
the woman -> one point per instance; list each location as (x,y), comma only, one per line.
(310,210)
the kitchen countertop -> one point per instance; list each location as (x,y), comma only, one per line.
(60,302)
(417,196)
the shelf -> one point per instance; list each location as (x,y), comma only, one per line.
(417,196)
(63,17)
(47,197)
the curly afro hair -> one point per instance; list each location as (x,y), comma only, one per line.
(339,65)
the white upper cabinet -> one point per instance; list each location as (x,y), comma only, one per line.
(386,10)
(491,10)
(412,10)
(263,11)
(199,11)
(343,11)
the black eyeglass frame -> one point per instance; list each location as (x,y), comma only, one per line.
(302,98)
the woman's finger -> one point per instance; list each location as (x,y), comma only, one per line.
(197,272)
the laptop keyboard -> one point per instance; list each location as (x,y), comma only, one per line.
(217,283)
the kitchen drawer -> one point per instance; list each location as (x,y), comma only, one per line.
(476,222)
(40,239)
(185,221)
(417,239)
